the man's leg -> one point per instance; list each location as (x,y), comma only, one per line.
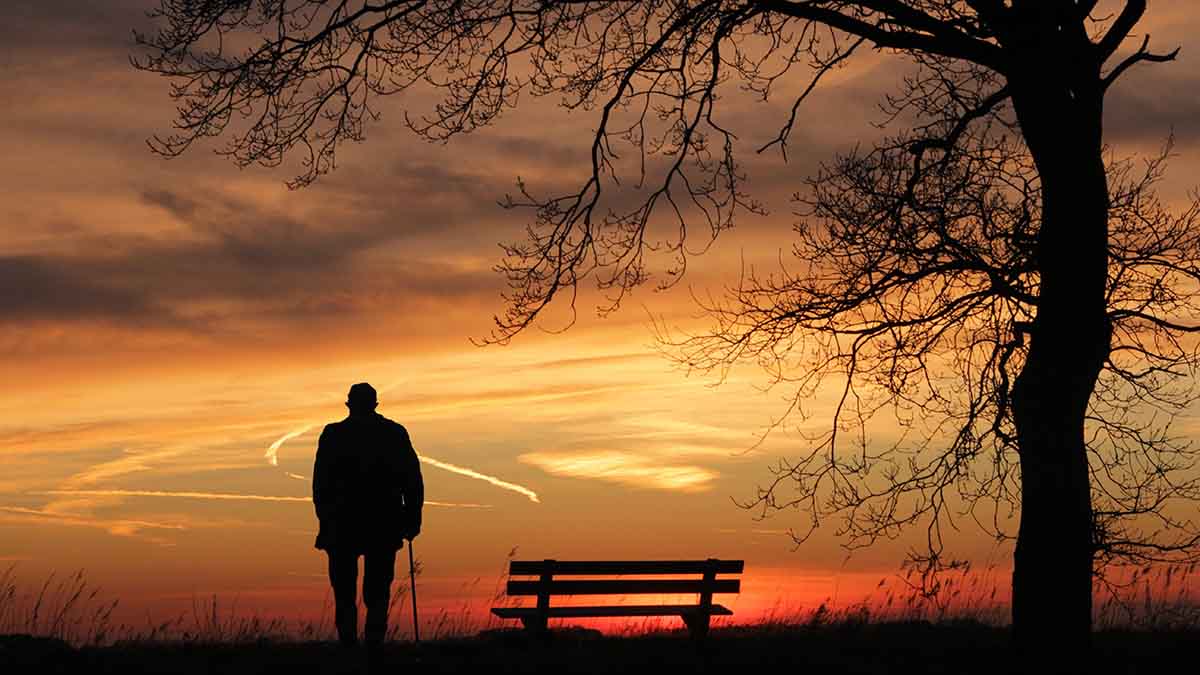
(379,569)
(343,576)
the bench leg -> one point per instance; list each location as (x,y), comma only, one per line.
(697,624)
(534,624)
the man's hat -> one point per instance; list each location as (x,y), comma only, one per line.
(361,394)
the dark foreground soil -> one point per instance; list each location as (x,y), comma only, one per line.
(860,650)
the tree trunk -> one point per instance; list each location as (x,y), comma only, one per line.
(1059,104)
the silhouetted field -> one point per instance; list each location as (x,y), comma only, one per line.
(65,626)
(826,650)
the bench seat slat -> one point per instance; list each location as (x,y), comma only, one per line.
(603,567)
(624,586)
(612,610)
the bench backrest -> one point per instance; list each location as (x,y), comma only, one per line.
(547,585)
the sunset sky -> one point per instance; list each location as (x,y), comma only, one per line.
(174,334)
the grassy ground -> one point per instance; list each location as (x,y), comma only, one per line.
(63,625)
(861,649)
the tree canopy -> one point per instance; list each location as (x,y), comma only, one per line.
(990,273)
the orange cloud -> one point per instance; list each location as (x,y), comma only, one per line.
(623,467)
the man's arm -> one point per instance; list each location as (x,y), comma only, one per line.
(413,485)
(322,485)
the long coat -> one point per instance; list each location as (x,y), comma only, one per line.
(367,486)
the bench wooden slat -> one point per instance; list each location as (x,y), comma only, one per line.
(547,585)
(603,567)
(612,610)
(623,586)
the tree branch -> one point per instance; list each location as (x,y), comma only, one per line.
(1142,54)
(1129,17)
(938,37)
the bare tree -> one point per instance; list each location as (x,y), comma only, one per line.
(913,291)
(990,239)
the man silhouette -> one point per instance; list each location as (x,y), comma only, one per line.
(368,494)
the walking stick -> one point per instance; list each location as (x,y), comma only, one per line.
(412,576)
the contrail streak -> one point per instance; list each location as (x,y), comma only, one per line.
(272,456)
(272,453)
(218,496)
(463,471)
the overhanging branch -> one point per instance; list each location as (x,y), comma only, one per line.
(920,32)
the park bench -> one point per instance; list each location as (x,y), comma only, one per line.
(696,617)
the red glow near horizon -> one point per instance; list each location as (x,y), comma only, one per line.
(1133,597)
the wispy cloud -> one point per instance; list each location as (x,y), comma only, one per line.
(122,527)
(219,496)
(470,473)
(180,494)
(623,467)
(132,463)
